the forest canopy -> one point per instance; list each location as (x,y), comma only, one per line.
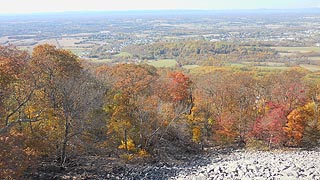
(54,104)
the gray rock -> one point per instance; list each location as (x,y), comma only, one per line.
(293,164)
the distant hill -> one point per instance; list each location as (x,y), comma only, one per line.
(168,12)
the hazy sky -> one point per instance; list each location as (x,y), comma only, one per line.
(28,6)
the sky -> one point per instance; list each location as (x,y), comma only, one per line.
(35,6)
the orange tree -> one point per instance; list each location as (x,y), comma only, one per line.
(66,94)
(16,91)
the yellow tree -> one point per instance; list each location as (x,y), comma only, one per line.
(201,117)
(131,83)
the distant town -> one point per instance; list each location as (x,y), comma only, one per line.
(87,34)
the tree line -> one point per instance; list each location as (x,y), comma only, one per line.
(201,52)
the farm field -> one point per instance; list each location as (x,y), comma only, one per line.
(297,49)
(123,54)
(317,58)
(78,51)
(190,66)
(310,67)
(163,63)
(98,61)
(282,54)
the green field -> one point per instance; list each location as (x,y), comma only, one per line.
(163,63)
(285,54)
(261,65)
(297,49)
(190,66)
(95,60)
(274,64)
(238,64)
(123,54)
(268,64)
(271,68)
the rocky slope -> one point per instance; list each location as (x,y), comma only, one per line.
(241,164)
(214,164)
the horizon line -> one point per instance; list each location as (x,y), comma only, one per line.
(152,10)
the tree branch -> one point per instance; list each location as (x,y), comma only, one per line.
(10,125)
(17,108)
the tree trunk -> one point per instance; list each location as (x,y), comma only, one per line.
(140,135)
(65,141)
(125,139)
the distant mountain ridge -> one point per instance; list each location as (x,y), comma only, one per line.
(315,10)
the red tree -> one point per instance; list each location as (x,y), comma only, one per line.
(269,128)
(179,86)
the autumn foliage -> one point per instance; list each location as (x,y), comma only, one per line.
(269,128)
(52,106)
(179,86)
(15,157)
